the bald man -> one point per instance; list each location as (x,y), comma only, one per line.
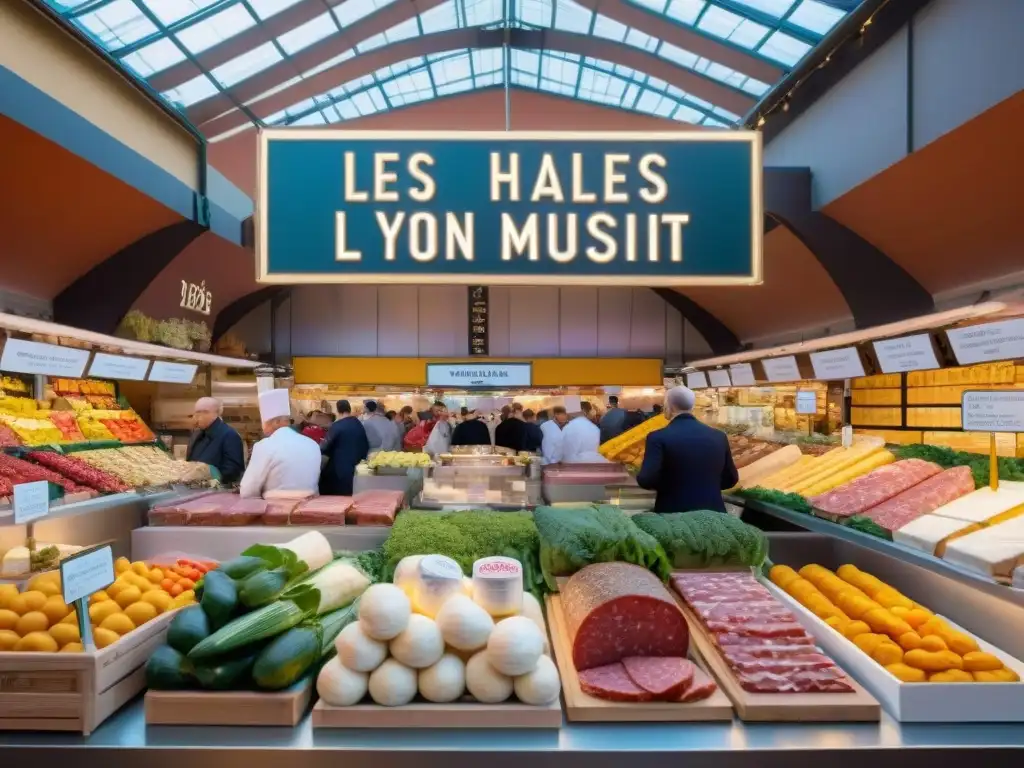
(215,443)
(688,463)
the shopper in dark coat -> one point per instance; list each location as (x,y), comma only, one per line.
(533,437)
(471,431)
(215,443)
(688,463)
(346,445)
(511,432)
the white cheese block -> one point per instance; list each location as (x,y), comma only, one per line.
(984,503)
(927,532)
(993,551)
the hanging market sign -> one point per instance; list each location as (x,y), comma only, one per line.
(989,342)
(833,364)
(719,378)
(172,373)
(477,375)
(479,308)
(780,369)
(989,411)
(104,366)
(907,353)
(20,356)
(646,209)
(742,375)
(196,297)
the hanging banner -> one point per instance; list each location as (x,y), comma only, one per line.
(781,369)
(20,356)
(479,321)
(742,375)
(907,353)
(835,364)
(554,208)
(477,375)
(989,342)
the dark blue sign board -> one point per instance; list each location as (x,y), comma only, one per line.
(491,208)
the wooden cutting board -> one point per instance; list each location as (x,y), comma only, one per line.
(284,708)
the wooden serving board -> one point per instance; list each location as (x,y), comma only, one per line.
(858,706)
(582,707)
(284,708)
(423,714)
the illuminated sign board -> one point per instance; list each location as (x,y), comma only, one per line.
(479,208)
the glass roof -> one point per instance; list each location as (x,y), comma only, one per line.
(251,53)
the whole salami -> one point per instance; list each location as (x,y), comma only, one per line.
(615,610)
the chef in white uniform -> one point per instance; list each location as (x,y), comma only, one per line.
(284,460)
(581,438)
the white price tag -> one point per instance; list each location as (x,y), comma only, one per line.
(87,572)
(991,411)
(781,369)
(742,375)
(910,353)
(847,436)
(172,373)
(985,343)
(21,356)
(719,378)
(697,380)
(106,366)
(31,501)
(806,401)
(837,364)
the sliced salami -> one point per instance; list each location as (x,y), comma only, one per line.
(612,683)
(701,687)
(664,677)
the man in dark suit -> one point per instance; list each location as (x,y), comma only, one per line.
(471,430)
(511,432)
(215,443)
(345,446)
(688,463)
(533,437)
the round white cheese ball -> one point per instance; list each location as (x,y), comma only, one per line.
(444,681)
(392,684)
(384,611)
(359,652)
(340,686)
(485,683)
(464,624)
(541,686)
(420,644)
(514,646)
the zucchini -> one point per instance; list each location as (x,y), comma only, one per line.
(292,655)
(220,598)
(226,673)
(168,670)
(189,628)
(262,624)
(264,587)
(242,567)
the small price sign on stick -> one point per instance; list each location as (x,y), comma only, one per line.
(81,576)
(993,411)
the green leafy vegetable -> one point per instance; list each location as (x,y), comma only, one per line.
(466,536)
(868,526)
(791,501)
(573,538)
(705,539)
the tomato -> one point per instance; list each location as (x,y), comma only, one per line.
(176,590)
(166,585)
(187,584)
(194,574)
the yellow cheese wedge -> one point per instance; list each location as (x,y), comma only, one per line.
(768,465)
(817,464)
(853,456)
(776,481)
(869,464)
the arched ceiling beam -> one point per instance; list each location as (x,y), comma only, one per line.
(242,306)
(98,300)
(716,333)
(218,122)
(876,288)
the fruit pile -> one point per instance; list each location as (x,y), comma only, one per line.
(32,430)
(180,577)
(82,387)
(67,424)
(128,430)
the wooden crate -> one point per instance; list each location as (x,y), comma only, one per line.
(75,691)
(423,714)
(283,708)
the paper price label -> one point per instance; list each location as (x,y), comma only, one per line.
(742,375)
(993,411)
(837,364)
(22,356)
(106,366)
(697,380)
(87,572)
(719,378)
(806,401)
(172,373)
(910,353)
(989,342)
(31,501)
(779,369)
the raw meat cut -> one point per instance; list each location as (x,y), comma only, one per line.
(764,645)
(809,681)
(612,683)
(923,498)
(701,687)
(615,610)
(665,678)
(243,512)
(182,511)
(322,510)
(377,507)
(765,610)
(279,511)
(786,629)
(872,489)
(749,662)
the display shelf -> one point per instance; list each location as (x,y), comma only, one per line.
(892,549)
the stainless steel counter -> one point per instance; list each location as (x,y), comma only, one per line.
(693,745)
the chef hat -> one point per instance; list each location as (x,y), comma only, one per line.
(274,405)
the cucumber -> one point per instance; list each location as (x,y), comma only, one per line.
(287,658)
(242,567)
(220,598)
(188,629)
(168,670)
(226,672)
(263,587)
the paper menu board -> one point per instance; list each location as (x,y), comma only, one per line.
(172,373)
(105,366)
(908,353)
(742,375)
(719,378)
(780,369)
(21,356)
(1003,340)
(832,364)
(697,380)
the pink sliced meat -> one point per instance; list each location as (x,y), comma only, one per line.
(701,687)
(763,611)
(764,645)
(322,510)
(665,678)
(615,610)
(814,681)
(860,495)
(747,662)
(612,683)
(923,498)
(785,629)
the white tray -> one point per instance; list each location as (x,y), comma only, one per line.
(918,702)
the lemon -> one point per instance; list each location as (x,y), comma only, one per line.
(116,587)
(100,611)
(127,596)
(50,577)
(104,637)
(72,648)
(64,634)
(71,618)
(158,599)
(18,605)
(99,597)
(55,609)
(8,639)
(141,612)
(37,641)
(7,591)
(118,622)
(141,569)
(48,588)
(156,576)
(33,621)
(8,619)
(34,600)
(121,565)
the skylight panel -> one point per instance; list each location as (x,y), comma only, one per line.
(776,8)
(402,31)
(685,11)
(171,11)
(559,70)
(816,17)
(782,47)
(685,114)
(526,61)
(313,118)
(153,58)
(479,13)
(645,42)
(678,55)
(654,103)
(755,87)
(371,43)
(609,29)
(730,116)
(267,8)
(192,92)
(487,60)
(350,11)
(440,18)
(304,35)
(331,62)
(246,65)
(215,29)
(451,70)
(712,123)
(539,13)
(116,25)
(572,17)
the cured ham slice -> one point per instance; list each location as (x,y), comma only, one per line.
(611,682)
